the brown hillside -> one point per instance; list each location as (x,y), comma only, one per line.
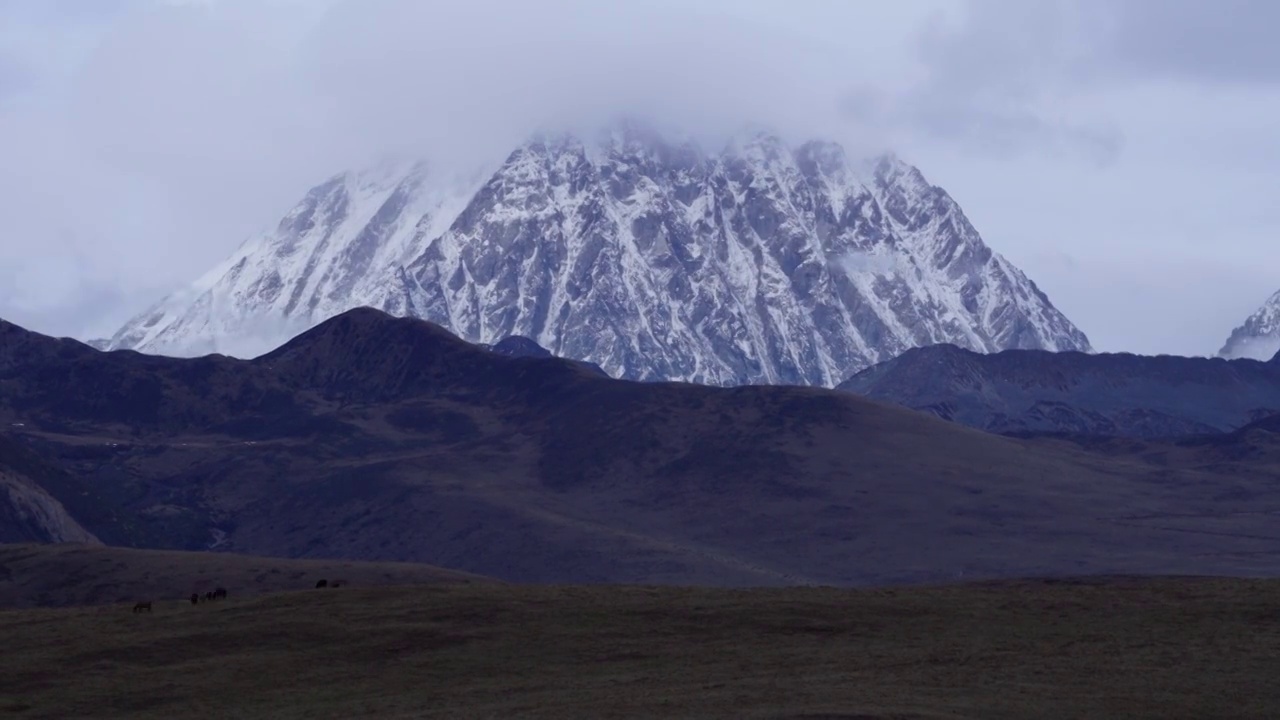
(377,438)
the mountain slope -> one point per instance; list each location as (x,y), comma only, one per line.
(28,512)
(1259,337)
(1103,394)
(651,259)
(373,437)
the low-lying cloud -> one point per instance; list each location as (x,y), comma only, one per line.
(367,77)
(149,138)
(857,263)
(1262,348)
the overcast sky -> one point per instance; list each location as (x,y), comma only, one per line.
(1124,153)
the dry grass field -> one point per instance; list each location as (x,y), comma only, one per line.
(1115,648)
(34,575)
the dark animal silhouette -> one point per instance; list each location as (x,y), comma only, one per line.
(220,594)
(208,596)
(322,583)
(142,606)
(195,598)
(337,583)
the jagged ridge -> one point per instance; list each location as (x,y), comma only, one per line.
(1258,337)
(654,260)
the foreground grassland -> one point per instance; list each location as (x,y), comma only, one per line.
(63,574)
(1168,648)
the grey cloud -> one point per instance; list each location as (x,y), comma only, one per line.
(177,129)
(994,80)
(1007,76)
(1157,304)
(301,84)
(1021,46)
(1255,349)
(92,310)
(555,63)
(14,77)
(1224,40)
(61,12)
(859,262)
(968,123)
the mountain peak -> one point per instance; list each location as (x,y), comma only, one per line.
(827,157)
(889,170)
(1258,337)
(363,325)
(21,346)
(632,135)
(518,346)
(762,264)
(758,143)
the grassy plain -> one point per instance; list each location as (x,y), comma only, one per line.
(1114,648)
(65,574)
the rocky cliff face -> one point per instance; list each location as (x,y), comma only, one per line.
(655,260)
(28,512)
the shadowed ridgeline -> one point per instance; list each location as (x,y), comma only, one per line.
(384,438)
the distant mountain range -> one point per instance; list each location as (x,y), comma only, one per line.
(761,263)
(382,438)
(1103,394)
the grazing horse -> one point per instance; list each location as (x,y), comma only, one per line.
(322,583)
(142,606)
(220,594)
(195,598)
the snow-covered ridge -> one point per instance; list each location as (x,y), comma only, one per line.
(1258,338)
(763,263)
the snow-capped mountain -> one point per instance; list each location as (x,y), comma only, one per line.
(1259,337)
(760,264)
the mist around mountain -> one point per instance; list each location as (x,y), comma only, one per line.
(1258,337)
(650,257)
